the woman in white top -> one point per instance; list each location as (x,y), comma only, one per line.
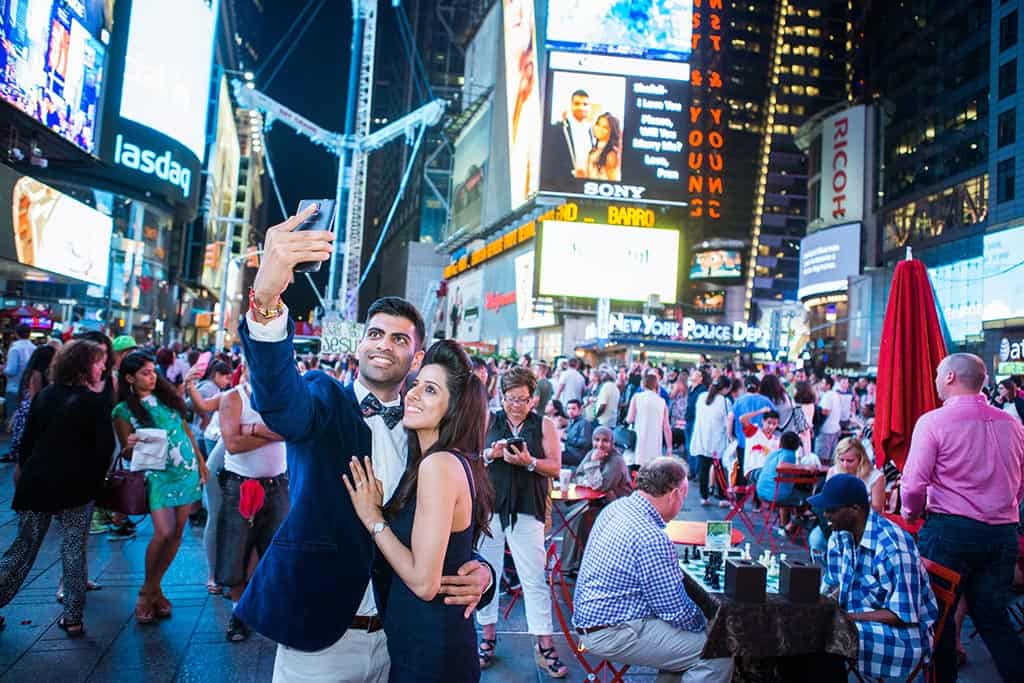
(852,458)
(648,414)
(710,431)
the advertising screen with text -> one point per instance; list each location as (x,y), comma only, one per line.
(606,261)
(54,54)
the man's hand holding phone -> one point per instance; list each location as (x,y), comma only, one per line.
(283,249)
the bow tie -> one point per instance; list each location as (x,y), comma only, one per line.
(371,406)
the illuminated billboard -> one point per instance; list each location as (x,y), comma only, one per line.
(643,29)
(54,53)
(596,261)
(708,301)
(522,93)
(52,231)
(828,258)
(716,264)
(166,82)
(469,172)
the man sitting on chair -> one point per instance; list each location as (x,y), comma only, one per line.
(630,604)
(874,571)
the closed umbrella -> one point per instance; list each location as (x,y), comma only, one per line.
(912,348)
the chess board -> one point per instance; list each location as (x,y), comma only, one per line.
(695,570)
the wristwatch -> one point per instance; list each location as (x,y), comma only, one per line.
(533,464)
(377,528)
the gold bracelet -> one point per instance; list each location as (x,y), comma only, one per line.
(265,312)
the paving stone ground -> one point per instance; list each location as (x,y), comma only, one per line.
(190,647)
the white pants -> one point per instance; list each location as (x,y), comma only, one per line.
(526,541)
(358,657)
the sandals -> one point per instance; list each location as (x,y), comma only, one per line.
(74,630)
(485,651)
(548,659)
(144,612)
(213,588)
(89,587)
(162,607)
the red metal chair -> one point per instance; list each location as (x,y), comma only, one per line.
(945,584)
(784,477)
(561,595)
(736,495)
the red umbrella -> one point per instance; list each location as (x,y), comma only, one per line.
(911,350)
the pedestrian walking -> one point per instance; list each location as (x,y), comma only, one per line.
(63,459)
(649,416)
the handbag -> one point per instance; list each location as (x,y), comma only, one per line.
(625,438)
(124,491)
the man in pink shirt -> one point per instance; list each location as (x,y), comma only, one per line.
(963,472)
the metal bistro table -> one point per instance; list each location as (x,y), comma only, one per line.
(574,495)
(762,637)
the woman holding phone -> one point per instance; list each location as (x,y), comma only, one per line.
(523,454)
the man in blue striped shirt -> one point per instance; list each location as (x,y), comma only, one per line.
(630,606)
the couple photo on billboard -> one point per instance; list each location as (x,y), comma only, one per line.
(584,133)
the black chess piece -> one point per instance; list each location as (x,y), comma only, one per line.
(686,555)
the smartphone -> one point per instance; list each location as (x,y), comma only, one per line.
(203,363)
(516,441)
(323,219)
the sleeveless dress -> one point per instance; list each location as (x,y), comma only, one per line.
(431,641)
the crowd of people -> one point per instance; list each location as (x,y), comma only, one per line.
(359,509)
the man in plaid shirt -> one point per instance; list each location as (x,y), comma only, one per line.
(874,571)
(630,605)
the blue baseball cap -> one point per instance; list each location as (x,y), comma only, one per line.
(840,491)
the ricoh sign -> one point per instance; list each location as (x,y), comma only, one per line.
(736,333)
(841,189)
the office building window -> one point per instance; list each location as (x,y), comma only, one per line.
(1008,79)
(1008,31)
(1007,128)
(1005,178)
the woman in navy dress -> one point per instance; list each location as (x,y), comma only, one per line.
(430,526)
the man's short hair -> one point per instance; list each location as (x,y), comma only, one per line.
(660,476)
(23,331)
(770,414)
(828,381)
(580,93)
(574,362)
(969,370)
(790,441)
(572,401)
(400,308)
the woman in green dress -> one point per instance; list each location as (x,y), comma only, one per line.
(150,401)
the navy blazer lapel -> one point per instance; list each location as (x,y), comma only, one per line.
(364,437)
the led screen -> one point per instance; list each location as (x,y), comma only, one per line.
(647,29)
(522,93)
(710,301)
(167,78)
(54,52)
(828,258)
(1003,272)
(606,261)
(716,264)
(54,232)
(469,172)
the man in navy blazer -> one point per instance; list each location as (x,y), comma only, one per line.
(312,591)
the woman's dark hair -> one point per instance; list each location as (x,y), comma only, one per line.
(1011,388)
(164,391)
(72,363)
(721,387)
(462,431)
(614,144)
(217,367)
(559,408)
(804,393)
(771,386)
(516,377)
(38,362)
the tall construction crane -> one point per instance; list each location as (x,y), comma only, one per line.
(352,147)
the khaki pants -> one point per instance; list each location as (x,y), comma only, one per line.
(657,644)
(358,657)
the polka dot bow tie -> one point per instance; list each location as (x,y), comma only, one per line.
(371,406)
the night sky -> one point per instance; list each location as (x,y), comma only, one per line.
(312,81)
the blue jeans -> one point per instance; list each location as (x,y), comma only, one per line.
(984,556)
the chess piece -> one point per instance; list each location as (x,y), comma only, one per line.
(746,551)
(686,555)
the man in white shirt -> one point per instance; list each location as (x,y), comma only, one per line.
(607,409)
(831,408)
(298,408)
(18,356)
(571,384)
